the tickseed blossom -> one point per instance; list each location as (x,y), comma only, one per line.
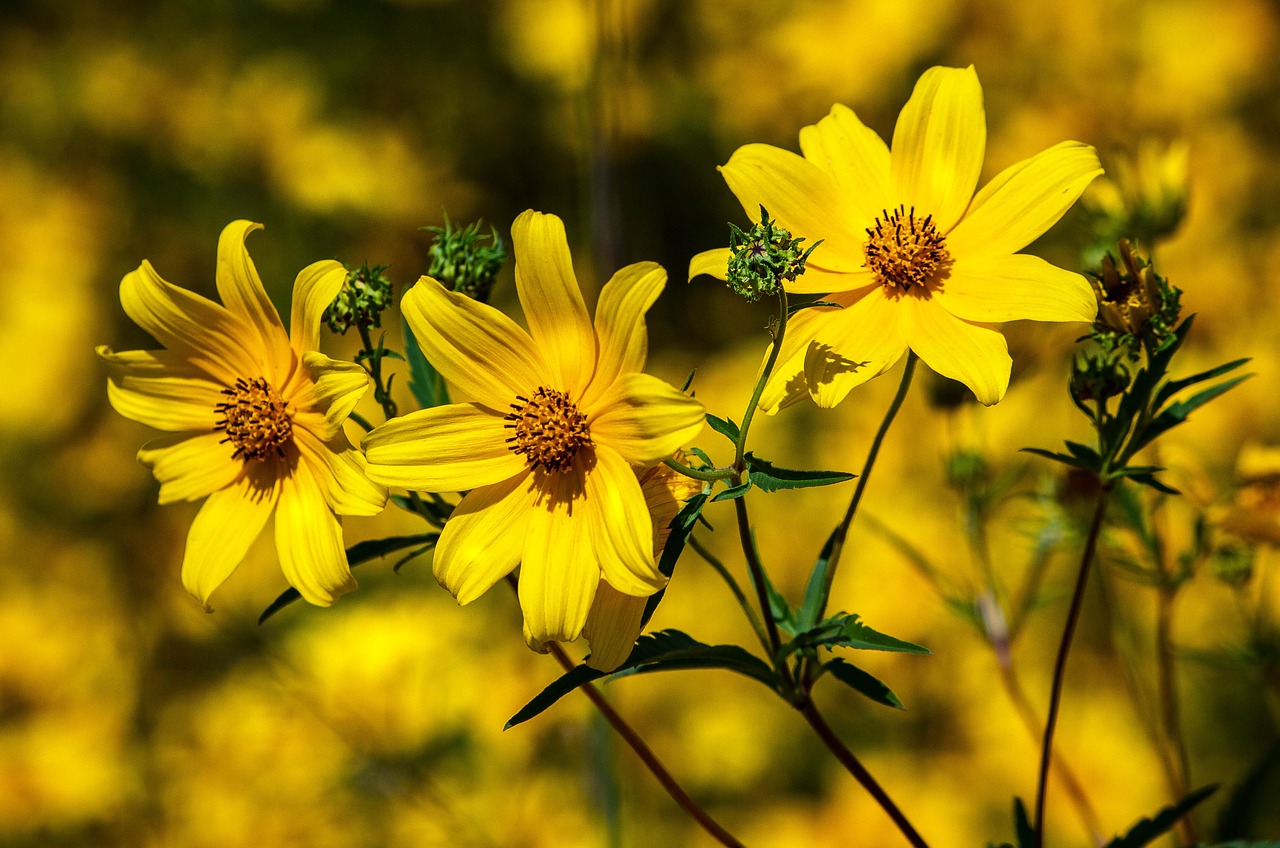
(614,623)
(912,256)
(558,416)
(254,416)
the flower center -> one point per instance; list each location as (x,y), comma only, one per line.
(904,250)
(255,420)
(549,429)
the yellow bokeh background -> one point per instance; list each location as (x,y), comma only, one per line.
(132,130)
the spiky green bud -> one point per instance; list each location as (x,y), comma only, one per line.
(462,262)
(364,295)
(764,258)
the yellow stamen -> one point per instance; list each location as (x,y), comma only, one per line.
(904,250)
(549,429)
(255,420)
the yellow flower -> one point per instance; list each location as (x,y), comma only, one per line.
(614,623)
(1254,512)
(559,415)
(255,417)
(914,258)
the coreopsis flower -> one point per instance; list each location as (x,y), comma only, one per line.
(557,418)
(254,415)
(911,256)
(614,623)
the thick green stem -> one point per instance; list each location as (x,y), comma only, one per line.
(1060,664)
(706,476)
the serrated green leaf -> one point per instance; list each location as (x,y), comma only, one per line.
(855,634)
(665,650)
(700,454)
(733,492)
(425,383)
(681,526)
(724,426)
(863,683)
(770,478)
(357,554)
(1145,830)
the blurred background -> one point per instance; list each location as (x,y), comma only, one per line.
(132,130)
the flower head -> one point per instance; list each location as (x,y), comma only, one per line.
(913,258)
(254,416)
(558,417)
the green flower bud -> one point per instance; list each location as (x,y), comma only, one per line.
(460,260)
(764,258)
(365,294)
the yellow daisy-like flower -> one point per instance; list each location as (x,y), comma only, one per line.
(915,259)
(614,623)
(255,416)
(559,415)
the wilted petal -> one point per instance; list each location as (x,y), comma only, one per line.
(612,627)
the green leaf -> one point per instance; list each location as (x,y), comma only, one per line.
(688,381)
(1176,413)
(1059,457)
(1085,454)
(863,683)
(1145,830)
(425,382)
(796,307)
(1146,478)
(702,455)
(1025,833)
(815,589)
(770,478)
(724,426)
(733,492)
(855,634)
(357,554)
(665,650)
(681,527)
(1171,388)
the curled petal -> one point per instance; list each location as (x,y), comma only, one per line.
(324,392)
(485,537)
(161,389)
(551,299)
(316,286)
(621,527)
(1019,287)
(971,353)
(448,448)
(938,144)
(243,294)
(644,419)
(309,540)
(347,487)
(620,327)
(221,535)
(714,262)
(189,466)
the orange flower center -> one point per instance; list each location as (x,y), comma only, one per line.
(905,251)
(255,419)
(549,429)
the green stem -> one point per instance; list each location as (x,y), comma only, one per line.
(380,393)
(360,419)
(741,445)
(1064,648)
(842,530)
(738,594)
(706,476)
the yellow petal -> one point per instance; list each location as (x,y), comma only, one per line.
(558,572)
(613,625)
(192,327)
(309,540)
(938,144)
(347,487)
(644,419)
(448,448)
(160,389)
(973,354)
(714,262)
(221,534)
(314,289)
(551,299)
(855,156)
(485,537)
(621,527)
(1024,201)
(323,392)
(802,198)
(620,327)
(1011,288)
(474,346)
(665,492)
(189,466)
(242,293)
(853,345)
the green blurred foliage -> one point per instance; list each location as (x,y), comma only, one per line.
(133,130)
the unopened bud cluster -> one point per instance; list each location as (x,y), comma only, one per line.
(366,293)
(764,258)
(461,261)
(1135,305)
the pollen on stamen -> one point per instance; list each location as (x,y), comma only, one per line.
(905,251)
(549,430)
(255,418)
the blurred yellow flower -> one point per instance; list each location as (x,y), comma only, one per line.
(559,416)
(255,416)
(614,623)
(1255,511)
(914,258)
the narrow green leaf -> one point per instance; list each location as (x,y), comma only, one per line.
(815,589)
(681,526)
(1171,388)
(357,554)
(1085,454)
(1145,830)
(796,307)
(1176,413)
(425,382)
(855,634)
(770,478)
(863,683)
(701,454)
(724,426)
(734,491)
(1058,457)
(688,381)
